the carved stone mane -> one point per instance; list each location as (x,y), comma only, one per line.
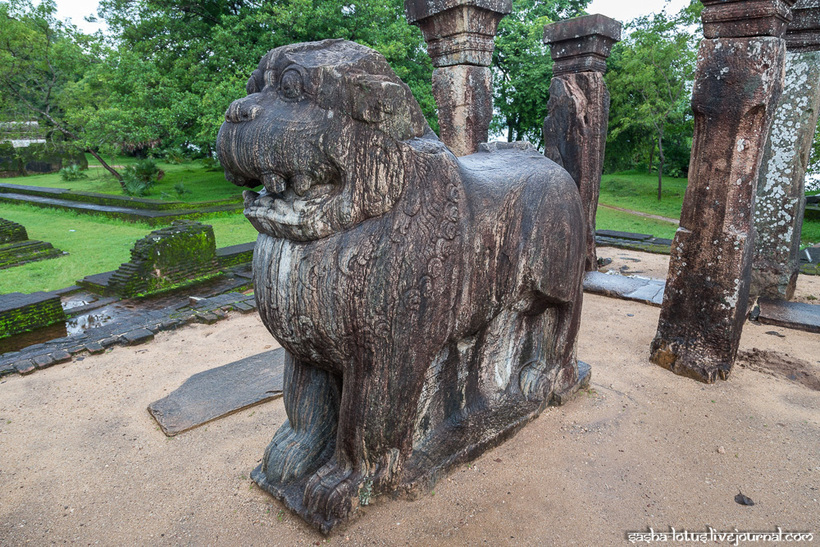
(429,305)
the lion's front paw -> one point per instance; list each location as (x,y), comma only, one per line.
(532,380)
(293,453)
(332,491)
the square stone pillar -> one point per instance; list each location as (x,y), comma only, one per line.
(459,36)
(781,199)
(737,84)
(578,110)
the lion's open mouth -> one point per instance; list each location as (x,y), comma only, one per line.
(291,206)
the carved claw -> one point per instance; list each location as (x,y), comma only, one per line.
(532,380)
(333,491)
(291,454)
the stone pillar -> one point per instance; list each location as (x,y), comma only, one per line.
(578,109)
(781,187)
(737,84)
(459,36)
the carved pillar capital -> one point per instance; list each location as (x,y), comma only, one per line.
(458,32)
(581,44)
(745,18)
(803,33)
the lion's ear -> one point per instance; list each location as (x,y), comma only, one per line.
(253,85)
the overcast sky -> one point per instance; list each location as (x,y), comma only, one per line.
(622,10)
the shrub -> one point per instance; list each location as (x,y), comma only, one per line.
(180,189)
(72,172)
(140,177)
(175,157)
(211,164)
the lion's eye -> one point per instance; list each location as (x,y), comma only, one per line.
(291,84)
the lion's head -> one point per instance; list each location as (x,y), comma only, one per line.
(322,129)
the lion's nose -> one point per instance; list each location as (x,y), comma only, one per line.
(242,110)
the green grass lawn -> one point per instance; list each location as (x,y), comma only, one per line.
(638,191)
(201,183)
(607,219)
(95,244)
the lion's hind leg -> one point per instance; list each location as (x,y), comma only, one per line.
(306,440)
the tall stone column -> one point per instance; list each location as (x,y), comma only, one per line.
(737,84)
(578,110)
(781,198)
(459,36)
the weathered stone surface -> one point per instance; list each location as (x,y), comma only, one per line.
(792,315)
(737,85)
(582,44)
(803,33)
(137,336)
(429,305)
(575,138)
(648,291)
(178,255)
(464,95)
(745,18)
(458,32)
(221,391)
(781,189)
(21,312)
(576,126)
(11,232)
(459,36)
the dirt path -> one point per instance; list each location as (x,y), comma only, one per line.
(640,214)
(82,461)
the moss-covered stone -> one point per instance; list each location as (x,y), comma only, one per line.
(11,232)
(27,312)
(181,254)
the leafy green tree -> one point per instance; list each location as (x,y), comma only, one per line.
(41,59)
(522,67)
(650,80)
(186,61)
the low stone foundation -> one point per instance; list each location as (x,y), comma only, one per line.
(26,312)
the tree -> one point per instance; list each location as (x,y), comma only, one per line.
(522,67)
(41,58)
(193,58)
(650,80)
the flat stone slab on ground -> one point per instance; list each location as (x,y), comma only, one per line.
(221,391)
(648,291)
(793,315)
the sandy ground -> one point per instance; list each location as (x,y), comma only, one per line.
(82,461)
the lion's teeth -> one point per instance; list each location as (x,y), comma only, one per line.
(274,183)
(265,201)
(249,196)
(281,207)
(301,184)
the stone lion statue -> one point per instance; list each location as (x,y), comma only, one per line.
(428,305)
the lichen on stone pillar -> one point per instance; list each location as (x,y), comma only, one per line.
(737,85)
(781,198)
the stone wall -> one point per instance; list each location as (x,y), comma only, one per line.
(11,232)
(179,255)
(27,312)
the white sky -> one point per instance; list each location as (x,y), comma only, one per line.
(626,10)
(622,10)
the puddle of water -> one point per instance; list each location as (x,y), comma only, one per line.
(20,341)
(81,323)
